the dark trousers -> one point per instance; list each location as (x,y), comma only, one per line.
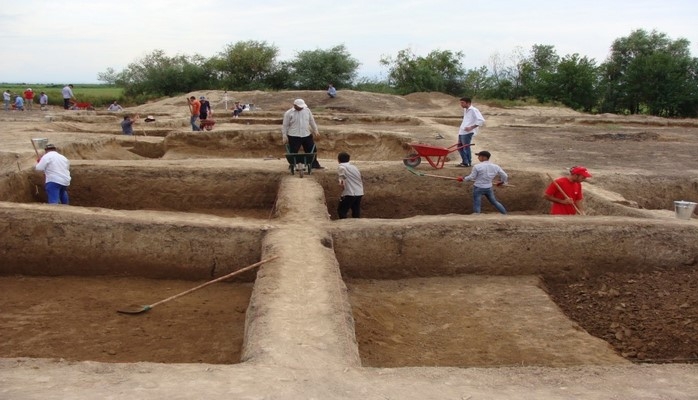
(295,143)
(66,103)
(347,203)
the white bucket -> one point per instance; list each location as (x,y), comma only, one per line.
(684,209)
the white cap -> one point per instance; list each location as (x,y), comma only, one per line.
(300,103)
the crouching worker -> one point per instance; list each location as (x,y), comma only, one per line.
(57,170)
(352,187)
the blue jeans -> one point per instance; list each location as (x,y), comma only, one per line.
(56,193)
(193,119)
(465,151)
(489,193)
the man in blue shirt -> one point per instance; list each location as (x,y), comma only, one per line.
(482,176)
(127,124)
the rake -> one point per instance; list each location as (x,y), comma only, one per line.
(224,277)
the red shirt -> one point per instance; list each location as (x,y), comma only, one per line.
(29,95)
(573,191)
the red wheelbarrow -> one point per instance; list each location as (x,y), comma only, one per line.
(428,151)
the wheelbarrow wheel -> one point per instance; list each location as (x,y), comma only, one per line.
(412,160)
(300,172)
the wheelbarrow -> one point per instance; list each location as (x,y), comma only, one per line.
(82,106)
(301,162)
(435,155)
(207,124)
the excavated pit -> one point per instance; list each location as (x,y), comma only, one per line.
(444,293)
(80,265)
(232,190)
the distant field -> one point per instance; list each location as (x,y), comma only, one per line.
(98,95)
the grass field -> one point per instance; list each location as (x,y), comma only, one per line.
(98,95)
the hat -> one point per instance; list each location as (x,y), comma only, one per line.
(300,103)
(484,153)
(202,98)
(29,89)
(149,118)
(580,171)
(50,147)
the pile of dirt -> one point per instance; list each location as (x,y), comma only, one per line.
(647,317)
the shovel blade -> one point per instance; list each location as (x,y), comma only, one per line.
(135,311)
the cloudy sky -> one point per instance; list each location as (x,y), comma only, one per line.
(71,41)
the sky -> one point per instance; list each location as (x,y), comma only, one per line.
(71,41)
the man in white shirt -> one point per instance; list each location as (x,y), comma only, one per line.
(352,187)
(472,119)
(43,101)
(57,170)
(482,176)
(67,93)
(115,107)
(299,128)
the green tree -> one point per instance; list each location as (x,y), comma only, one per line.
(477,82)
(315,69)
(648,72)
(574,83)
(156,74)
(533,71)
(245,65)
(439,71)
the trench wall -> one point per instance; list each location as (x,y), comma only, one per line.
(512,245)
(58,240)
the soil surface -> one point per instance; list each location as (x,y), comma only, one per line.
(641,165)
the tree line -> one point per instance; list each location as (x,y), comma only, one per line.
(645,73)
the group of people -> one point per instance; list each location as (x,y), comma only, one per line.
(24,101)
(200,110)
(299,129)
(564,193)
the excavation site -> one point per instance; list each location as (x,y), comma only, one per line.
(200,265)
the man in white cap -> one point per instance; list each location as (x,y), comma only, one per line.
(299,128)
(57,170)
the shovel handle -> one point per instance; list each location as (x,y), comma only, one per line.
(35,150)
(564,194)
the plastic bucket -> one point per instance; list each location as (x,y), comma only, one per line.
(40,143)
(684,209)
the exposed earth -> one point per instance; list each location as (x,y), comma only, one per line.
(417,299)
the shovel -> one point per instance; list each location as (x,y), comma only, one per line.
(577,210)
(224,277)
(414,171)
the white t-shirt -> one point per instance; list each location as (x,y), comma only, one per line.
(56,167)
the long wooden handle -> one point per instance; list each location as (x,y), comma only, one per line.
(224,277)
(35,150)
(564,194)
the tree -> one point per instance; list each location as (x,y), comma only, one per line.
(156,74)
(315,69)
(244,65)
(574,83)
(439,71)
(648,72)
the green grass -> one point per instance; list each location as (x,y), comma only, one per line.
(98,95)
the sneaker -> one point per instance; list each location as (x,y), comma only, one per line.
(462,165)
